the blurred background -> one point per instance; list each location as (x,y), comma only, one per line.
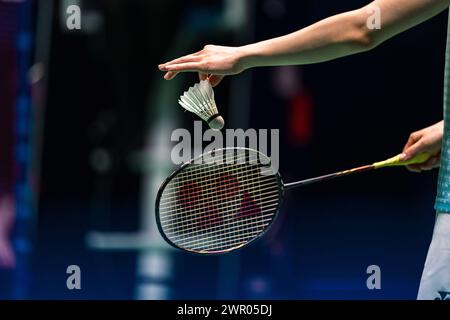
(85,126)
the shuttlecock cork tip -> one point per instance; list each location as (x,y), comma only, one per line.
(217,123)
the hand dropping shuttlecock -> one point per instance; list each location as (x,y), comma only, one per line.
(199,99)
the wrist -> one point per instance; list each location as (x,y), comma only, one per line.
(249,56)
(439,127)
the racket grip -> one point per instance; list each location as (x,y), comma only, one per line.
(396,161)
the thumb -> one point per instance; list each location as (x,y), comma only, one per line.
(202,76)
(215,79)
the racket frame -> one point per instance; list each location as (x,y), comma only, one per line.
(163,185)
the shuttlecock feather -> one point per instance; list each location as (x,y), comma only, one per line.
(199,99)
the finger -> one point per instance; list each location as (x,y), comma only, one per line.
(184,59)
(186,67)
(413,168)
(409,143)
(170,75)
(215,80)
(431,163)
(202,76)
(412,139)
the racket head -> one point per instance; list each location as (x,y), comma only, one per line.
(208,206)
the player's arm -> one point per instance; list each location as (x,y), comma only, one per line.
(337,36)
(343,34)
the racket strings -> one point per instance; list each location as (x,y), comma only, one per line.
(197,191)
(228,159)
(234,173)
(225,243)
(231,227)
(176,218)
(230,184)
(174,227)
(216,207)
(232,188)
(199,169)
(172,199)
(174,223)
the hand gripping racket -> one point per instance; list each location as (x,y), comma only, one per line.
(227,198)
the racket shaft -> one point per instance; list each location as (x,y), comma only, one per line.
(328,176)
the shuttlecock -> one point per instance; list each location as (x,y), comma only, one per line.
(199,99)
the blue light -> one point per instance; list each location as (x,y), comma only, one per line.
(22,127)
(22,212)
(22,105)
(22,245)
(22,191)
(22,153)
(24,41)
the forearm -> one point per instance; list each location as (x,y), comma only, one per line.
(341,35)
(331,38)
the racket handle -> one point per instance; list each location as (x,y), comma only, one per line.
(396,161)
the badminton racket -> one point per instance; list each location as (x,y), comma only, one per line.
(225,199)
